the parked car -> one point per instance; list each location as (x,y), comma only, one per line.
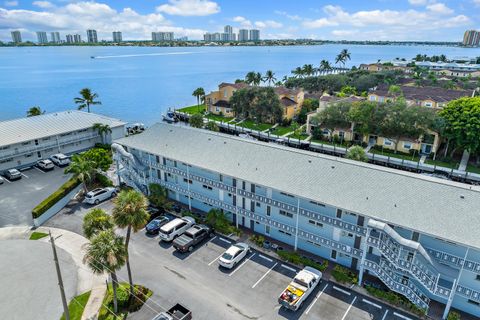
(175,228)
(234,255)
(60,159)
(97,195)
(13,174)
(1,180)
(45,164)
(153,227)
(191,237)
(301,286)
(177,312)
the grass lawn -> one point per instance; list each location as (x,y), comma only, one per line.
(301,136)
(250,124)
(217,117)
(399,155)
(446,164)
(193,109)
(472,168)
(280,131)
(38,235)
(76,306)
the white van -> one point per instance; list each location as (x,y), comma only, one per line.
(175,228)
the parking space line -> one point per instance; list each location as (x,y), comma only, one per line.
(372,304)
(212,239)
(7,180)
(316,298)
(401,316)
(288,268)
(38,169)
(266,273)
(241,265)
(215,259)
(266,258)
(224,240)
(342,291)
(385,315)
(24,175)
(349,307)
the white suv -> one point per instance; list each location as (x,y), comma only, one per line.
(45,164)
(60,159)
(100,194)
(175,228)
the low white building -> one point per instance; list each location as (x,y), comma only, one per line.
(24,141)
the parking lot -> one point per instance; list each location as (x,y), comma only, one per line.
(18,198)
(249,291)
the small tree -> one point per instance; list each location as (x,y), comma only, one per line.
(196,120)
(95,221)
(82,168)
(199,93)
(101,158)
(103,130)
(452,315)
(212,126)
(357,153)
(34,111)
(86,99)
(158,196)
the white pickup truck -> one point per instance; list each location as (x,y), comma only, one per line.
(302,285)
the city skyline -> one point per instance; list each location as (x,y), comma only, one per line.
(333,20)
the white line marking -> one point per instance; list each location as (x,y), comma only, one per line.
(349,307)
(213,239)
(264,275)
(288,268)
(225,240)
(5,179)
(316,298)
(341,290)
(38,169)
(241,265)
(401,316)
(385,315)
(215,259)
(266,258)
(24,175)
(372,304)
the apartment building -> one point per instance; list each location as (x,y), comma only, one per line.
(92,36)
(243,35)
(416,234)
(16,36)
(117,36)
(162,36)
(55,37)
(254,35)
(471,38)
(42,37)
(26,140)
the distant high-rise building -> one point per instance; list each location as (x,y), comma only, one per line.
(77,38)
(69,38)
(117,36)
(42,37)
(471,38)
(228,29)
(185,38)
(92,36)
(254,35)
(163,36)
(16,36)
(243,35)
(55,37)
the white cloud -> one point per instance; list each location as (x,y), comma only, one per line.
(244,22)
(439,8)
(343,33)
(10,3)
(290,16)
(189,7)
(80,16)
(476,2)
(268,24)
(43,4)
(418,2)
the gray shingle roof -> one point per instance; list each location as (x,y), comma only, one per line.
(441,208)
(27,129)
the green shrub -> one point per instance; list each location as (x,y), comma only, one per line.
(295,258)
(52,199)
(220,223)
(397,300)
(103,180)
(257,239)
(141,295)
(453,316)
(344,275)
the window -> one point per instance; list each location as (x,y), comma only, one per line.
(234,200)
(286,194)
(339,213)
(39,154)
(252,188)
(6,160)
(286,233)
(175,163)
(350,214)
(474,302)
(252,206)
(243,203)
(317,203)
(221,178)
(164,160)
(387,142)
(225,93)
(407,145)
(25,143)
(372,98)
(334,254)
(477,277)
(316,223)
(258,204)
(28,155)
(205,186)
(234,181)
(243,185)
(268,211)
(230,195)
(267,229)
(186,180)
(157,158)
(286,214)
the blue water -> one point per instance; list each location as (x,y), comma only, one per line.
(139,84)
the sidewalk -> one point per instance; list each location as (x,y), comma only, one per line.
(75,245)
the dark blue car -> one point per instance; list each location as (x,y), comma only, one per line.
(153,227)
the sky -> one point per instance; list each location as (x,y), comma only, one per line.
(432,20)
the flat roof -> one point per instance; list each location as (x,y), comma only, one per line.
(31,128)
(441,208)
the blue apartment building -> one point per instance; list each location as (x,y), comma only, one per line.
(419,235)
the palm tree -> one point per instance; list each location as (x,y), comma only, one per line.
(130,212)
(103,130)
(34,111)
(107,253)
(95,221)
(346,56)
(298,72)
(308,69)
(250,77)
(87,99)
(269,77)
(339,59)
(257,79)
(324,66)
(199,93)
(82,168)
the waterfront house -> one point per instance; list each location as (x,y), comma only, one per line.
(377,67)
(24,141)
(416,234)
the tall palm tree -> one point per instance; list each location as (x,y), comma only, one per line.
(308,69)
(298,72)
(250,77)
(346,56)
(95,221)
(199,93)
(103,130)
(130,212)
(257,79)
(82,168)
(34,111)
(107,253)
(339,59)
(269,77)
(324,66)
(87,99)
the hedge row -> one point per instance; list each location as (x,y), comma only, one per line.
(296,258)
(49,202)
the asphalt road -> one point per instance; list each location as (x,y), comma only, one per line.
(18,198)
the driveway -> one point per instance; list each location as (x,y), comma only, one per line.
(18,198)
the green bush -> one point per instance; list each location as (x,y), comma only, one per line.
(103,180)
(344,275)
(220,223)
(295,258)
(141,295)
(257,239)
(453,316)
(51,200)
(397,300)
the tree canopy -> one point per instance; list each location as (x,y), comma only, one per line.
(260,104)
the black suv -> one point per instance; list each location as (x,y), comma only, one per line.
(192,237)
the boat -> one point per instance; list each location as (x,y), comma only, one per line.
(92,57)
(170,117)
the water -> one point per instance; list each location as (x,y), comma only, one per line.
(139,83)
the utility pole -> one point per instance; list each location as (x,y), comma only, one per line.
(59,276)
